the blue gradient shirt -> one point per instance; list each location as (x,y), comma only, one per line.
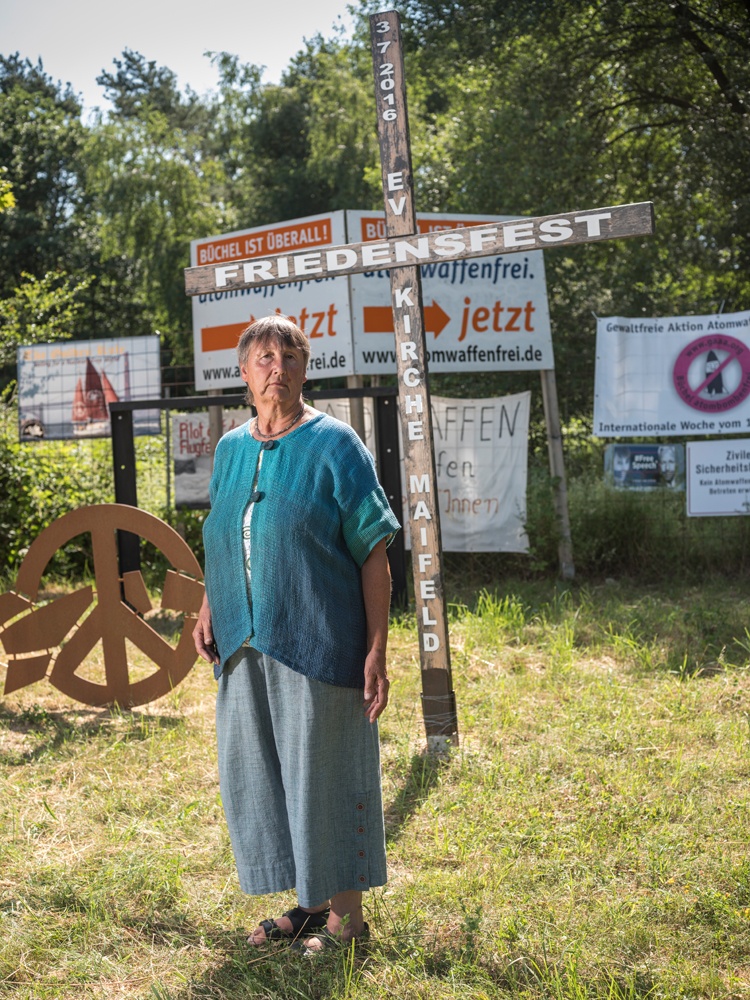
(318,512)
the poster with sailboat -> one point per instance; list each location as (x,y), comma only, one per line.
(65,389)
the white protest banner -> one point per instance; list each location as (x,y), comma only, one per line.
(480,315)
(718,478)
(65,388)
(672,376)
(481,450)
(320,307)
(191,449)
(486,315)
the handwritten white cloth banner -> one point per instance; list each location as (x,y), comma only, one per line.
(481,450)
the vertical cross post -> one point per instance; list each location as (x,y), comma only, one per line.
(438,698)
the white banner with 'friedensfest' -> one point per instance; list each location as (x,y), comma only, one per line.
(481,315)
(672,376)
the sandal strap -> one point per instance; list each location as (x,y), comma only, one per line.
(301,920)
(272,930)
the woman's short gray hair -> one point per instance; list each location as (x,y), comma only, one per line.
(277,329)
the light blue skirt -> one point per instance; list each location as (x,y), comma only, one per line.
(299,770)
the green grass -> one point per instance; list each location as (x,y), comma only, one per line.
(588,839)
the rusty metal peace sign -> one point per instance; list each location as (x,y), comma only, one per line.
(70,622)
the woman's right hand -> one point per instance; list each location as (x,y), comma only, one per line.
(203,635)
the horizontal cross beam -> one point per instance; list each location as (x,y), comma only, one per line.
(515,236)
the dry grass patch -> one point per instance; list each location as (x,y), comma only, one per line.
(588,839)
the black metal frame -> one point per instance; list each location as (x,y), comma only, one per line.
(386,436)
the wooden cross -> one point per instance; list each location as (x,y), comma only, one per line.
(402,252)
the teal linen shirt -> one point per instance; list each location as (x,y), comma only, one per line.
(319,511)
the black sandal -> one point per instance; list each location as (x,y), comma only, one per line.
(303,923)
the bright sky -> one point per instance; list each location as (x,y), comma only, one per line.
(77,39)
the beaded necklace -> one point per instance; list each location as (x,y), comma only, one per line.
(267,437)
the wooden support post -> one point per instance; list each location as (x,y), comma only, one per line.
(123,461)
(389,472)
(168,450)
(356,405)
(557,471)
(215,428)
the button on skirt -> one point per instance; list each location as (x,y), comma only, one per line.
(299,771)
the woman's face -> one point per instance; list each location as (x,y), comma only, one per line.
(274,373)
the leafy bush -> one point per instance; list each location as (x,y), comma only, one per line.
(38,484)
(644,535)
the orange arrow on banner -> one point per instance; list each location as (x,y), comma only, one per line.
(379,319)
(222,338)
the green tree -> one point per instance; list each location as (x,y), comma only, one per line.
(138,88)
(41,137)
(7,198)
(40,310)
(152,185)
(151,190)
(305,146)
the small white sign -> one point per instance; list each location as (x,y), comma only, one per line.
(718,482)
(481,448)
(191,449)
(481,457)
(65,389)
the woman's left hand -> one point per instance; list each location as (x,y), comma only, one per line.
(376,590)
(376,685)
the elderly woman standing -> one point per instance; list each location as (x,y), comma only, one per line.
(295,619)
